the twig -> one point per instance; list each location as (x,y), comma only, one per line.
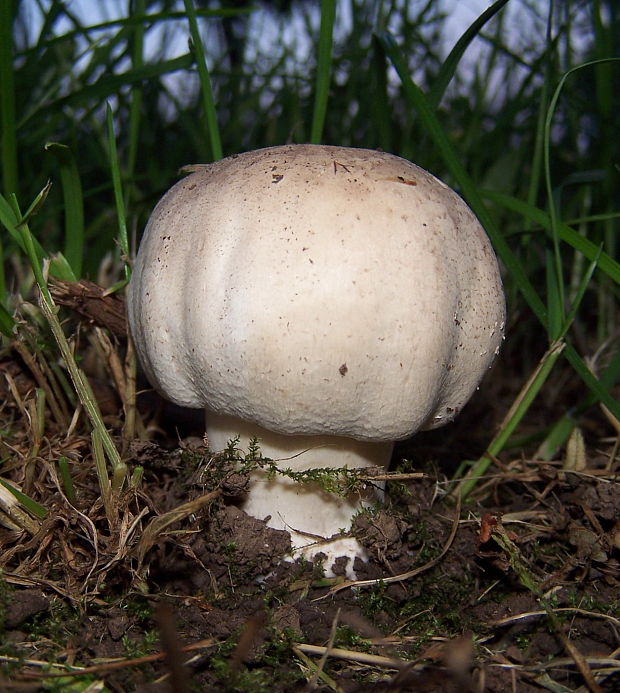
(392,476)
(561,663)
(536,614)
(353,656)
(91,301)
(104,667)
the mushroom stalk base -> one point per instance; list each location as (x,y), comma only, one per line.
(311,515)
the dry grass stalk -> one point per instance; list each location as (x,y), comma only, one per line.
(57,404)
(313,683)
(17,518)
(104,667)
(353,656)
(159,524)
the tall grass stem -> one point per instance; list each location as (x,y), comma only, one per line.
(555,269)
(450,64)
(323,70)
(208,104)
(8,125)
(135,110)
(74,205)
(512,419)
(123,240)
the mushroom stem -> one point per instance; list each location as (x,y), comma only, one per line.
(308,512)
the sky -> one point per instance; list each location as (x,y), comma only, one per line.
(265,34)
(460,13)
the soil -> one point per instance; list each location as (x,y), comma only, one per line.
(515,590)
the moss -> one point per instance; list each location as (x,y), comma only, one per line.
(140,646)
(230,548)
(433,604)
(348,637)
(58,623)
(139,607)
(373,600)
(523,641)
(269,667)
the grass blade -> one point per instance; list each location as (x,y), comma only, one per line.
(8,137)
(11,506)
(557,272)
(579,294)
(512,419)
(59,267)
(7,323)
(605,263)
(446,73)
(123,240)
(597,387)
(67,481)
(555,294)
(102,476)
(34,508)
(585,246)
(379,102)
(3,292)
(537,156)
(50,311)
(323,70)
(12,222)
(564,426)
(108,86)
(74,205)
(7,100)
(205,82)
(137,62)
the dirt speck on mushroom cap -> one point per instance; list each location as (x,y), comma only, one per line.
(260,275)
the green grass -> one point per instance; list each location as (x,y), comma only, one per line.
(533,148)
(123,241)
(209,113)
(323,69)
(73,205)
(7,107)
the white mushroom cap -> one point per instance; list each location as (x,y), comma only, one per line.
(317,290)
(324,299)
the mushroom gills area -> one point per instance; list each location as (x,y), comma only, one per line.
(311,515)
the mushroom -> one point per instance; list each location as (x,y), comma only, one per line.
(328,301)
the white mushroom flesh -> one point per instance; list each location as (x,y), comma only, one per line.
(310,290)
